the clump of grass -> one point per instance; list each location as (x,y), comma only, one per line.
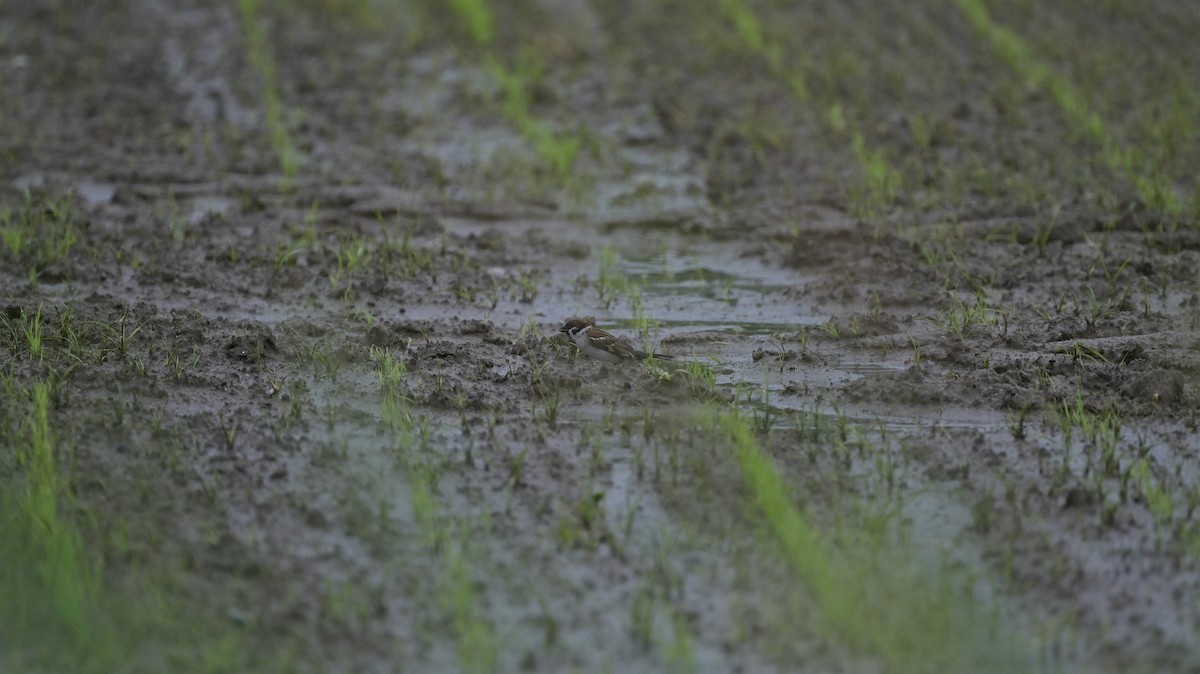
(404,259)
(353,254)
(30,328)
(962,317)
(258,50)
(58,611)
(395,406)
(547,392)
(38,514)
(917,621)
(1154,191)
(39,233)
(754,40)
(1154,492)
(558,150)
(611,284)
(701,379)
(527,284)
(1017,54)
(476,20)
(478,645)
(880,179)
(582,522)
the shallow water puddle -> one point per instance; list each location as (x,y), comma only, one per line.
(683,326)
(89,192)
(674,278)
(889,419)
(95,193)
(659,181)
(868,367)
(671,272)
(682,282)
(202,207)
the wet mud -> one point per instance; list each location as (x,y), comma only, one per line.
(330,404)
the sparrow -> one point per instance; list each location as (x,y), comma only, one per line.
(601,345)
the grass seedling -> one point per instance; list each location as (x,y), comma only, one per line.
(1156,495)
(1042,236)
(701,379)
(550,397)
(641,616)
(31,328)
(422,483)
(831,327)
(802,543)
(921,131)
(762,413)
(1113,275)
(407,259)
(363,315)
(584,523)
(322,354)
(285,256)
(610,282)
(173,364)
(69,338)
(176,223)
(543,390)
(746,26)
(229,431)
(516,468)
(961,317)
(527,284)
(342,605)
(855,327)
(1081,351)
(804,334)
(1016,420)
(319,354)
(394,405)
(121,336)
(352,254)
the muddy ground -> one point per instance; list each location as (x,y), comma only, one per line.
(299,266)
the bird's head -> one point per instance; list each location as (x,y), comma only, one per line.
(574,325)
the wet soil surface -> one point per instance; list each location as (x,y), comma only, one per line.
(1011,372)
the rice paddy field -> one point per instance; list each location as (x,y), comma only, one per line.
(283,389)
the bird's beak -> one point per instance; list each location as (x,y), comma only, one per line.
(564,329)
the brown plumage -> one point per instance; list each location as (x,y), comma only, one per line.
(601,345)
